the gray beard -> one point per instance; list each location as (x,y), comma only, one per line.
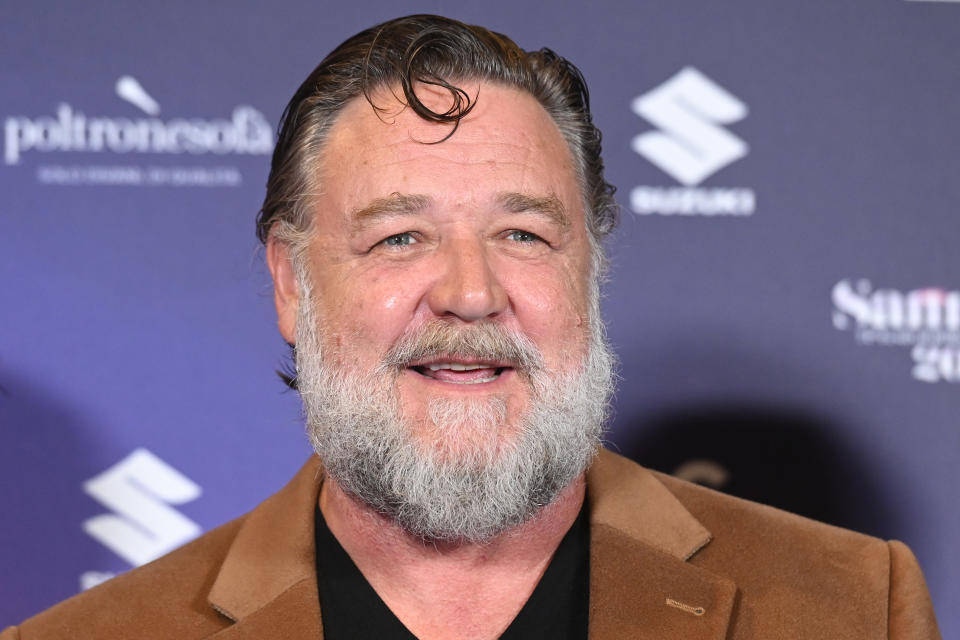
(470,475)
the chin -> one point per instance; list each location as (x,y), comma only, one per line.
(470,431)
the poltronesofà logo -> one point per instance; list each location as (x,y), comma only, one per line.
(70,131)
(927,320)
(691,145)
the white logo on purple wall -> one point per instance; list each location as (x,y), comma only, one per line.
(129,89)
(927,320)
(70,131)
(143,526)
(691,145)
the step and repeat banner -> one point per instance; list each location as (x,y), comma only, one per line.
(784,300)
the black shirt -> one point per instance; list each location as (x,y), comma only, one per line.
(557,608)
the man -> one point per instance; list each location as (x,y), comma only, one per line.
(433,225)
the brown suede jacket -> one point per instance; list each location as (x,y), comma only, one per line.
(669,560)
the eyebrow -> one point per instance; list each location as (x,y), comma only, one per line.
(401,204)
(395,204)
(549,206)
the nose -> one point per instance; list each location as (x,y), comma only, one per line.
(467,286)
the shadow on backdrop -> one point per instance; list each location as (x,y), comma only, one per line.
(46,453)
(783,458)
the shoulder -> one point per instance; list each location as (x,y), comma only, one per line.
(785,564)
(163,599)
(725,531)
(202,587)
(728,516)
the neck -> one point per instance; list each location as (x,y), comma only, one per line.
(440,590)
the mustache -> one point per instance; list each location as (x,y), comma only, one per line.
(480,341)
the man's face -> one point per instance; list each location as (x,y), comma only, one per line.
(449,353)
(487,226)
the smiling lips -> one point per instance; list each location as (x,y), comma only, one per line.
(460,373)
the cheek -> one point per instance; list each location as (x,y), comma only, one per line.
(375,310)
(552,311)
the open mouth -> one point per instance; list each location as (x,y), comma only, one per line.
(460,372)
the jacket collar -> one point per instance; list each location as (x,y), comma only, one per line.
(640,583)
(630,499)
(267,583)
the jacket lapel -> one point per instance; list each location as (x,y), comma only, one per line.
(267,583)
(292,615)
(641,585)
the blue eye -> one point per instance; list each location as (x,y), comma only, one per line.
(523,236)
(400,240)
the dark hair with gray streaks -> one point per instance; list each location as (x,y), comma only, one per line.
(425,49)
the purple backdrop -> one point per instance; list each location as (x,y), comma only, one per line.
(784,296)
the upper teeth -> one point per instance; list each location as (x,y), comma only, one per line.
(455,366)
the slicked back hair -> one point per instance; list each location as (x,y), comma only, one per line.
(411,51)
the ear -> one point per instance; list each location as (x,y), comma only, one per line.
(286,294)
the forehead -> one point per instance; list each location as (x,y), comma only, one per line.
(508,142)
